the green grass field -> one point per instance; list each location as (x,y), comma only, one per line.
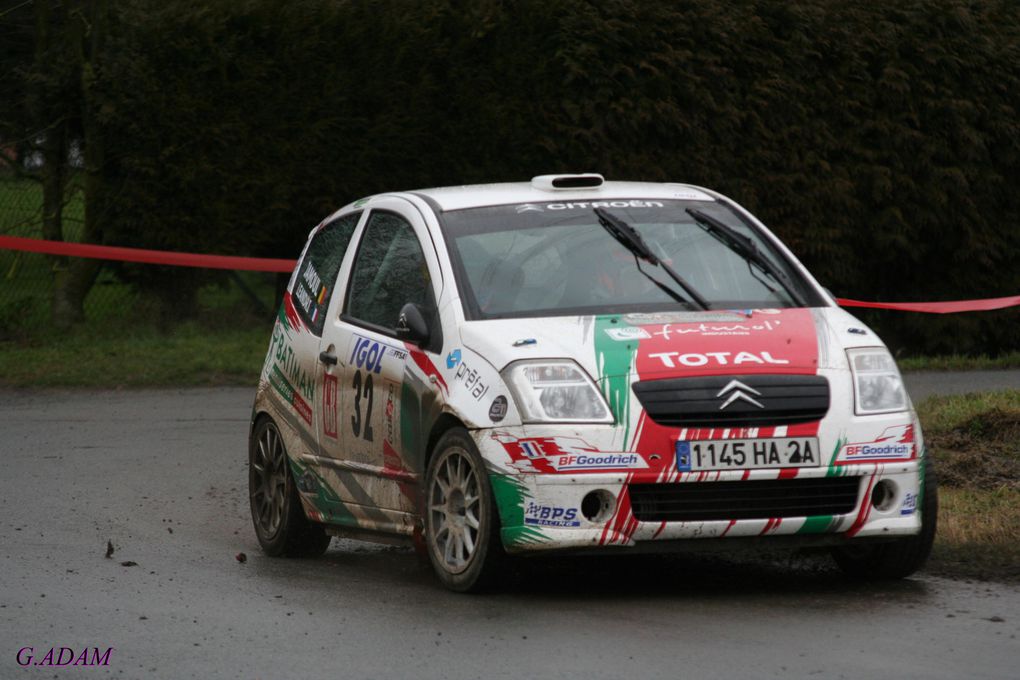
(960,363)
(21,209)
(189,355)
(26,278)
(117,314)
(975,442)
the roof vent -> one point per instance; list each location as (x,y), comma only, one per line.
(587,180)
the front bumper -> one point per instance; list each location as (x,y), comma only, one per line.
(541,511)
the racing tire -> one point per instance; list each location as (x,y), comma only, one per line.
(898,558)
(461,520)
(276,512)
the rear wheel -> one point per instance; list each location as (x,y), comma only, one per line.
(461,521)
(898,558)
(280,523)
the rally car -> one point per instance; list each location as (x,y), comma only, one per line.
(572,364)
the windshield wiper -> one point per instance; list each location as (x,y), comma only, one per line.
(745,247)
(632,241)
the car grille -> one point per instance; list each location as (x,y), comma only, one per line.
(758,499)
(768,399)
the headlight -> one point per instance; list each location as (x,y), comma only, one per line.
(878,387)
(555,392)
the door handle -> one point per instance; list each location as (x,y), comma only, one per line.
(327,358)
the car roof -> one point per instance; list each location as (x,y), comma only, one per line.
(481,195)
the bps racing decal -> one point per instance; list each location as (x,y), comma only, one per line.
(550,515)
(909,506)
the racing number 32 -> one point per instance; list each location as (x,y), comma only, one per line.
(362,390)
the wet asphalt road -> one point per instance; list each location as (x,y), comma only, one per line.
(162,474)
(924,384)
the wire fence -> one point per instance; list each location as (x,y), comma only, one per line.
(27,279)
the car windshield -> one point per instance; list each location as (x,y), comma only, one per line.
(552,259)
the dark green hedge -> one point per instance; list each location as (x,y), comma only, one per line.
(879,139)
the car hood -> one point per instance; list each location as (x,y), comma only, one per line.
(677,344)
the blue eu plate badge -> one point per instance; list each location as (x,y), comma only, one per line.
(683,456)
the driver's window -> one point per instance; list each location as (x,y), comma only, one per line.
(389,271)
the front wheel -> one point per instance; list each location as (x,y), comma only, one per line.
(280,523)
(461,521)
(901,557)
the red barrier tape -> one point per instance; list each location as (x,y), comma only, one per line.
(938,307)
(255,264)
(263,264)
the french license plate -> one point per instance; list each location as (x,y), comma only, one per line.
(746,454)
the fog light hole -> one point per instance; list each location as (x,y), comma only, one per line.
(598,505)
(883,496)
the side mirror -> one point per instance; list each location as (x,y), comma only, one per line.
(411,325)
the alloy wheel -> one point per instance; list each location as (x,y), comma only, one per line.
(269,481)
(454,509)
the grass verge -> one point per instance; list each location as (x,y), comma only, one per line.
(959,363)
(975,442)
(979,534)
(187,356)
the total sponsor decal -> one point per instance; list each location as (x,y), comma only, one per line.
(696,359)
(550,515)
(566,454)
(770,341)
(895,443)
(369,354)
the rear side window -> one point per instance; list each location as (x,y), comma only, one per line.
(317,274)
(389,271)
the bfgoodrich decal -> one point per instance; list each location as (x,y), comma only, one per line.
(895,443)
(566,454)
